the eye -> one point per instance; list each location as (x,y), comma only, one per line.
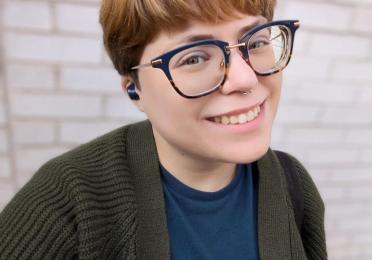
(193,59)
(258,44)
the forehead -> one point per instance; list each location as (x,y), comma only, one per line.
(229,29)
(220,28)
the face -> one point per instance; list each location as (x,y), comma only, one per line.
(212,129)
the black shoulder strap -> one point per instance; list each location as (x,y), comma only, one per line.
(294,187)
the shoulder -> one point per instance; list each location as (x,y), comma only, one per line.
(313,234)
(93,163)
(308,185)
(69,191)
(95,157)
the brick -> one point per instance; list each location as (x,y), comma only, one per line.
(52,48)
(33,77)
(332,156)
(3,141)
(77,132)
(290,113)
(359,192)
(4,166)
(31,159)
(353,71)
(367,157)
(361,3)
(360,137)
(363,20)
(346,209)
(326,92)
(365,95)
(276,136)
(6,193)
(363,223)
(301,43)
(339,46)
(33,132)
(122,107)
(295,150)
(89,1)
(363,238)
(56,106)
(319,176)
(333,193)
(2,113)
(338,240)
(346,115)
(317,15)
(97,80)
(106,59)
(315,137)
(279,9)
(289,91)
(352,176)
(27,15)
(77,18)
(359,250)
(301,67)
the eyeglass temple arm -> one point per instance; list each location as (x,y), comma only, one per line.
(150,64)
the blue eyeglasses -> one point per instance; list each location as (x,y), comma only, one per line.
(199,68)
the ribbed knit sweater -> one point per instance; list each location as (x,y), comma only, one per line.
(104,200)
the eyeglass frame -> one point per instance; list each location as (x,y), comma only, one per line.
(162,61)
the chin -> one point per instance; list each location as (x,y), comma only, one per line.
(248,153)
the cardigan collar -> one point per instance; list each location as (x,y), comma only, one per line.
(152,234)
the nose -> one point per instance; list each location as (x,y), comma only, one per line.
(240,76)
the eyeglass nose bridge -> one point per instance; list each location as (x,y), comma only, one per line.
(241,47)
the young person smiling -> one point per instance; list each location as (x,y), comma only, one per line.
(197,180)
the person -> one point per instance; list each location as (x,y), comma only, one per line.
(198,179)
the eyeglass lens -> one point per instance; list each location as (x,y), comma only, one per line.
(201,68)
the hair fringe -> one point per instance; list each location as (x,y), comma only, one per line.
(128,25)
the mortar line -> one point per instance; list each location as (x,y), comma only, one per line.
(7,108)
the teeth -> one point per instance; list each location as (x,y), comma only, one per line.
(242,118)
(251,115)
(238,119)
(233,120)
(225,120)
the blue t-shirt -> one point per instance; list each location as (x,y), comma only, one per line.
(212,225)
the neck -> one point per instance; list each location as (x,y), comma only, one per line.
(198,173)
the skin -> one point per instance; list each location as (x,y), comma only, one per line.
(200,153)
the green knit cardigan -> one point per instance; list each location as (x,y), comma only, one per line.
(104,200)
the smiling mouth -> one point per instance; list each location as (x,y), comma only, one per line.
(237,119)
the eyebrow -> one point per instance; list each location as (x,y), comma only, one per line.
(200,37)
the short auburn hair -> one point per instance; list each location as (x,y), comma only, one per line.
(129,25)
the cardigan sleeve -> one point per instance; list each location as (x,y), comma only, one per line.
(38,222)
(313,233)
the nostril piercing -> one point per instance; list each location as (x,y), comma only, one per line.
(249,91)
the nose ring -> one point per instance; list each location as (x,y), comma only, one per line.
(249,91)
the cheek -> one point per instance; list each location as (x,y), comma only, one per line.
(162,104)
(272,85)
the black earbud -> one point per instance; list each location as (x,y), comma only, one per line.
(132,92)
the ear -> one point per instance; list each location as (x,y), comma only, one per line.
(129,88)
(125,83)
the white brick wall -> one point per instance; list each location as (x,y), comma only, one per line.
(52,48)
(77,18)
(27,15)
(330,80)
(57,105)
(30,77)
(90,80)
(58,89)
